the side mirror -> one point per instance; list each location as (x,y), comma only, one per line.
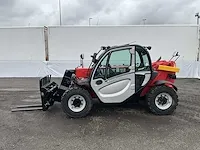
(81,60)
(82,56)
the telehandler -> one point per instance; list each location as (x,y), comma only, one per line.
(116,74)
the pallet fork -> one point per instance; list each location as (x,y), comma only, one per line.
(47,91)
(27,107)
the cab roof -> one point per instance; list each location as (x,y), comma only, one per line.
(125,45)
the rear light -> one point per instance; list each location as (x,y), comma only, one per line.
(172,76)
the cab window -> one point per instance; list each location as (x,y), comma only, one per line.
(118,63)
(142,62)
(115,63)
(101,70)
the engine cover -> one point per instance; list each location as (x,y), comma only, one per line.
(82,72)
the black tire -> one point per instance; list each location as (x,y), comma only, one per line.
(151,96)
(76,91)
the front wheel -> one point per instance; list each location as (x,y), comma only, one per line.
(162,100)
(76,102)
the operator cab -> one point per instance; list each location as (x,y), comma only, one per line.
(121,72)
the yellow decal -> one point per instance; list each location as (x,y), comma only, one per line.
(168,68)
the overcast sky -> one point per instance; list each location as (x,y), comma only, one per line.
(103,12)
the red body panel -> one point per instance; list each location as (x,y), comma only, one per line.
(82,72)
(162,75)
(85,73)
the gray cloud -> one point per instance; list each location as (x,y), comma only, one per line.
(14,13)
(132,12)
(7,3)
(108,12)
(6,7)
(81,10)
(159,12)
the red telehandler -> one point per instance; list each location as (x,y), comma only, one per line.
(117,74)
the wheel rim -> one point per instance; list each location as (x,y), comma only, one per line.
(76,103)
(163,101)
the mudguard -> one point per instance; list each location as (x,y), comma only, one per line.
(162,82)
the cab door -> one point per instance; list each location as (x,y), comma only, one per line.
(113,78)
(143,69)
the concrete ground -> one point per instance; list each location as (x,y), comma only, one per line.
(107,127)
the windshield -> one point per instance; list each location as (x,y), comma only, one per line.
(97,57)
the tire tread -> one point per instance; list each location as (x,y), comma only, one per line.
(76,90)
(151,97)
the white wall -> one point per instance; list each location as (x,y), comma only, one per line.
(22,44)
(23,49)
(67,43)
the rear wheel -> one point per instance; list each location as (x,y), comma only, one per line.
(76,102)
(162,100)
